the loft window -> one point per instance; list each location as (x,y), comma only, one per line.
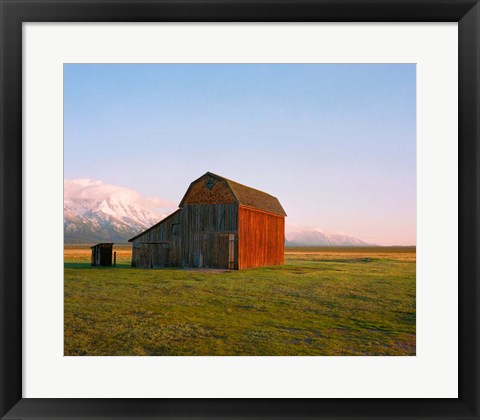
(175,228)
(210,183)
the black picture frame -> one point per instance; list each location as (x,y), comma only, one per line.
(15,12)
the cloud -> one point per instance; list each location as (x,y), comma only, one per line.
(96,190)
(296,228)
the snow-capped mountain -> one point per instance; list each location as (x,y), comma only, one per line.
(105,220)
(318,238)
(94,212)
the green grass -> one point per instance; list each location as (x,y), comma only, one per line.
(339,303)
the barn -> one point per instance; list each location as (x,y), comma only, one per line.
(219,224)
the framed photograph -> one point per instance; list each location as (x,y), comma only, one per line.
(270,209)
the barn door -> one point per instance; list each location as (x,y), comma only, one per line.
(143,256)
(216,250)
(159,255)
(152,255)
(213,250)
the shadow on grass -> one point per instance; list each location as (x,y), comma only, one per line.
(88,266)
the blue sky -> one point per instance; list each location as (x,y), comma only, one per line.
(335,143)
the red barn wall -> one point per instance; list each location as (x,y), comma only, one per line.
(261,238)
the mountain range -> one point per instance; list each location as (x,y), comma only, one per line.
(108,220)
(97,212)
(94,211)
(318,238)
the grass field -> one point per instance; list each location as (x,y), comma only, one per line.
(323,301)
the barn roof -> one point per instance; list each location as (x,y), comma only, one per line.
(247,196)
(155,225)
(102,243)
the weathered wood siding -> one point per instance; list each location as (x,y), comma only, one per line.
(210,235)
(102,254)
(160,246)
(261,238)
(151,255)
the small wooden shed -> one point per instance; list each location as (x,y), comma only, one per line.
(102,254)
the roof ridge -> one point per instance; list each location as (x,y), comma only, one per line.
(251,188)
(238,183)
(155,225)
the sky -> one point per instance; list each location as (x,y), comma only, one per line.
(335,143)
